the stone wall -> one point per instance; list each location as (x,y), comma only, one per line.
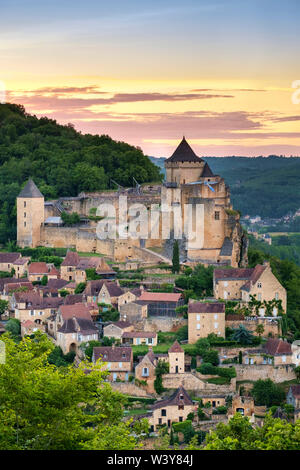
(255,372)
(129,389)
(191,381)
(160,324)
(271,326)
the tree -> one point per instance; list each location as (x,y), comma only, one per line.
(260,329)
(175,258)
(297,372)
(14,327)
(242,335)
(3,307)
(161,369)
(44,280)
(266,392)
(238,434)
(44,407)
(80,287)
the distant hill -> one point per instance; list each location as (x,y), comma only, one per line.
(267,186)
(62,161)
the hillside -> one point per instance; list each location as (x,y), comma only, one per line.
(61,161)
(272,182)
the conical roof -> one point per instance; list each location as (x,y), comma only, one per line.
(207,171)
(30,190)
(176,347)
(184,153)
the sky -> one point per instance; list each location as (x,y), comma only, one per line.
(220,72)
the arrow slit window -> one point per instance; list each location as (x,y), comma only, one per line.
(217,215)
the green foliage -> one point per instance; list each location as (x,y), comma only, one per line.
(265,392)
(182,333)
(199,283)
(70,219)
(80,287)
(3,307)
(175,258)
(44,407)
(13,326)
(88,347)
(238,434)
(161,368)
(57,358)
(111,314)
(44,280)
(242,335)
(62,161)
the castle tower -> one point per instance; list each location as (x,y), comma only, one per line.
(184,166)
(30,215)
(176,359)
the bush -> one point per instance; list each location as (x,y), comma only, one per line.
(182,333)
(207,369)
(265,392)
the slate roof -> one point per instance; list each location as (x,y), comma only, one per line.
(227,246)
(113,353)
(30,190)
(277,347)
(233,273)
(206,171)
(82,325)
(122,324)
(9,257)
(35,301)
(9,280)
(72,299)
(184,153)
(56,283)
(179,397)
(176,347)
(202,307)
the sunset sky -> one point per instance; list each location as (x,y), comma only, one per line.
(219,72)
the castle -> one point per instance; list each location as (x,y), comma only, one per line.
(190,183)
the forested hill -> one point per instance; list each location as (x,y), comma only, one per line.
(61,161)
(269,187)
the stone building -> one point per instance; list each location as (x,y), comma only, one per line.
(116,329)
(75,331)
(176,359)
(161,303)
(241,284)
(189,181)
(137,338)
(275,352)
(204,319)
(118,360)
(293,398)
(243,405)
(171,410)
(31,306)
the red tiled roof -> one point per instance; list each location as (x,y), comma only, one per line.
(75,310)
(38,267)
(160,297)
(71,259)
(202,307)
(277,347)
(54,271)
(175,347)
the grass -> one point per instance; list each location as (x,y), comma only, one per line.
(136,411)
(219,380)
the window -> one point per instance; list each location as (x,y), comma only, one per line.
(198,317)
(216,317)
(198,326)
(225,284)
(164,412)
(24,214)
(181,407)
(150,340)
(24,224)
(216,325)
(180,419)
(283,358)
(258,296)
(120,365)
(145,372)
(259,285)
(217,215)
(159,420)
(24,203)
(276,296)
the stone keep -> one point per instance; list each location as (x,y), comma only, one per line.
(30,215)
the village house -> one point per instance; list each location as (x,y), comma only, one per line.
(243,405)
(117,329)
(106,292)
(137,338)
(37,270)
(15,286)
(296,352)
(74,332)
(171,410)
(214,400)
(53,273)
(293,398)
(95,262)
(7,260)
(20,267)
(68,266)
(65,312)
(275,352)
(204,319)
(176,359)
(134,311)
(161,303)
(31,306)
(242,283)
(118,360)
